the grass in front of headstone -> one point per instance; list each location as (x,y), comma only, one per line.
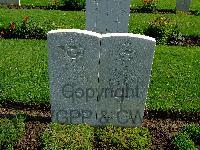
(11,131)
(111,137)
(82,136)
(59,137)
(54,19)
(187,138)
(174,84)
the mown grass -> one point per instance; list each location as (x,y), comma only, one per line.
(36,2)
(23,70)
(61,19)
(188,24)
(167,4)
(187,138)
(48,19)
(59,137)
(11,131)
(175,82)
(162,4)
(119,138)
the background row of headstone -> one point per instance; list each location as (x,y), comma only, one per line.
(182,5)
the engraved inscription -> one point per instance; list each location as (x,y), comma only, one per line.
(73,51)
(74,115)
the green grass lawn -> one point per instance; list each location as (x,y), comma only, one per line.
(168,4)
(11,131)
(189,25)
(175,80)
(66,19)
(187,138)
(36,2)
(71,137)
(23,67)
(162,4)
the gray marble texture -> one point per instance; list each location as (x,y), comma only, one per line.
(125,67)
(73,70)
(99,79)
(107,16)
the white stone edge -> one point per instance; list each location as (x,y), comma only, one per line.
(75,31)
(129,35)
(103,35)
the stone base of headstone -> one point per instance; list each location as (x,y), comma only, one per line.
(99,79)
(10,2)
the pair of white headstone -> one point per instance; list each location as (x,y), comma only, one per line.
(99,79)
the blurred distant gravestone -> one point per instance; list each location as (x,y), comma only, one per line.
(107,16)
(10,2)
(183,5)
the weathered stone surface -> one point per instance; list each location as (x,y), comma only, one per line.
(95,15)
(12,2)
(105,16)
(125,68)
(118,16)
(110,91)
(183,5)
(73,71)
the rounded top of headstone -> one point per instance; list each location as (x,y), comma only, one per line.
(75,31)
(129,35)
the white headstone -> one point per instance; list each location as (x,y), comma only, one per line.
(107,16)
(73,71)
(125,68)
(85,66)
(183,5)
(10,2)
